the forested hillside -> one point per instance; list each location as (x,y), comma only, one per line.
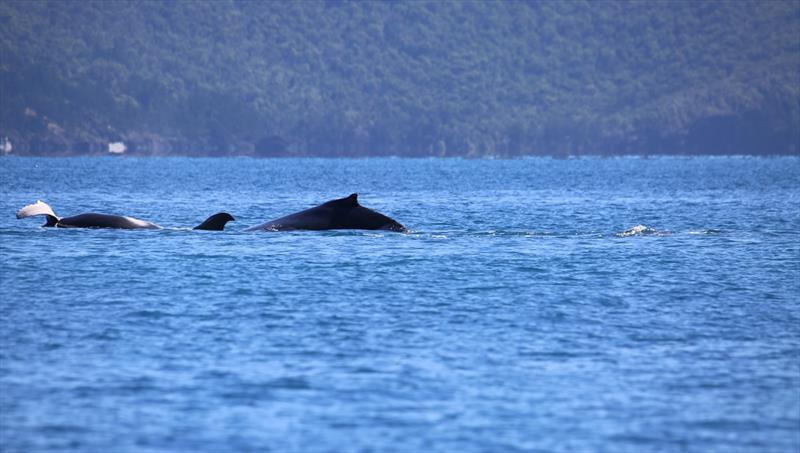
(471,78)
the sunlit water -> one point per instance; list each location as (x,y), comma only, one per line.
(537,305)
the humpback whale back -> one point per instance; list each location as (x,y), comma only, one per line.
(88,220)
(39,208)
(340,214)
(349,214)
(94,220)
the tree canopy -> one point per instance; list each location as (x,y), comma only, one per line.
(437,78)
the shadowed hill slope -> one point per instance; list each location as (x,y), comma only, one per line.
(400,78)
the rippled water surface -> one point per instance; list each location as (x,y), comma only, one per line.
(537,305)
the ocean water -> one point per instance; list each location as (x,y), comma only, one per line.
(621,305)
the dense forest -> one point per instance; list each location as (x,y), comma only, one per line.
(417,78)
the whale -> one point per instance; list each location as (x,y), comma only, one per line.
(95,220)
(341,214)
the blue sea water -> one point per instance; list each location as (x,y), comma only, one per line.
(620,305)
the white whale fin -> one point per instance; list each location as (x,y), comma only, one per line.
(38,208)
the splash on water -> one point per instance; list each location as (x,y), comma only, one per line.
(641,230)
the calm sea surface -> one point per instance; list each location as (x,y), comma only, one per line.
(516,316)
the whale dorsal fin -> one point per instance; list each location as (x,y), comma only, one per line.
(39,208)
(216,222)
(350,201)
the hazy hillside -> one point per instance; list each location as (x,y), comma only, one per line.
(400,78)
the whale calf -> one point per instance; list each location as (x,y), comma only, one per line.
(342,214)
(94,220)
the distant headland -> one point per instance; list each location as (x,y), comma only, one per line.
(440,78)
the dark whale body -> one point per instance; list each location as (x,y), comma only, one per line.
(95,220)
(342,214)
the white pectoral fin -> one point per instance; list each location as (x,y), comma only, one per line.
(38,208)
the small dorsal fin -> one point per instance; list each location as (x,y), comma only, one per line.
(352,199)
(349,201)
(216,222)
